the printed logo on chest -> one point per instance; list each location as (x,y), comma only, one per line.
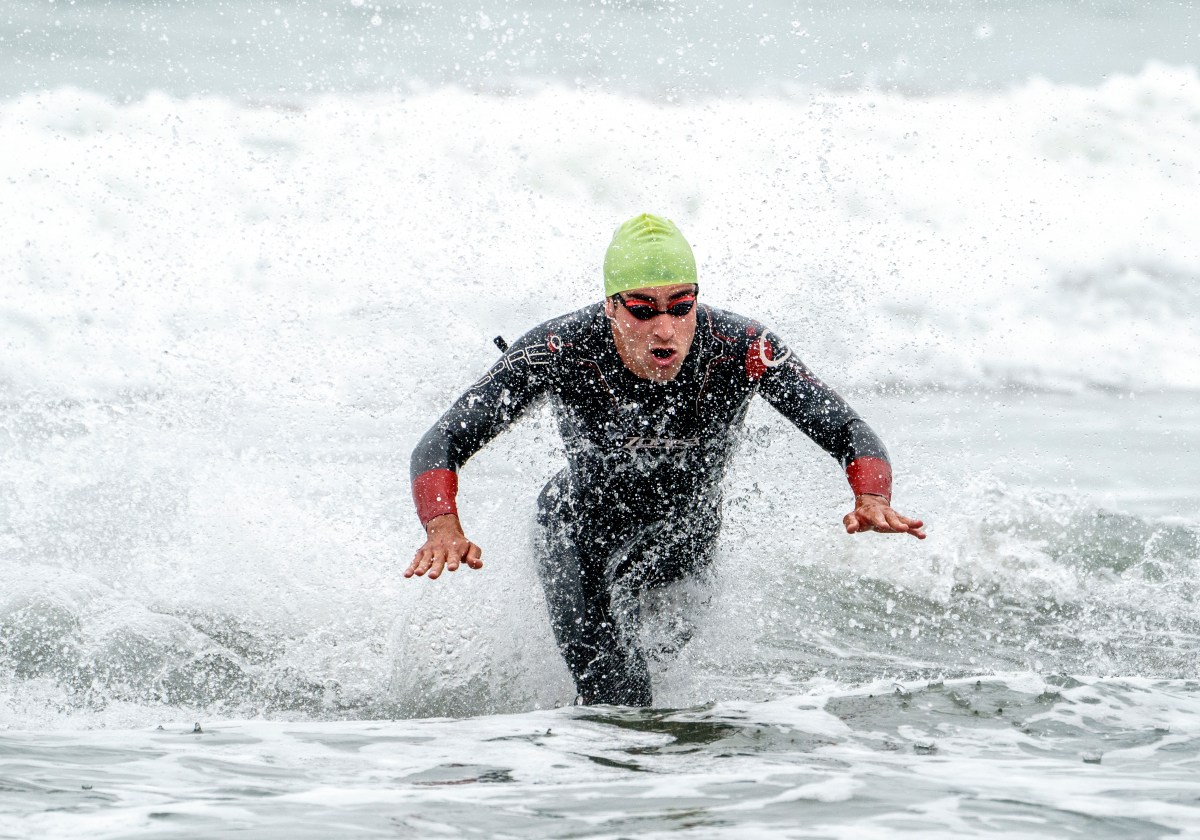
(659,444)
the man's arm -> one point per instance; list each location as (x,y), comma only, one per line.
(821,413)
(488,407)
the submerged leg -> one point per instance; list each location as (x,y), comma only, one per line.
(652,557)
(594,578)
(606,667)
(601,653)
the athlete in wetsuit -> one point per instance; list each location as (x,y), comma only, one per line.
(649,389)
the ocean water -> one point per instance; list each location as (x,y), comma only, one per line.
(253,251)
(270,50)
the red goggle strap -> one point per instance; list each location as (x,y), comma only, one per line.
(689,300)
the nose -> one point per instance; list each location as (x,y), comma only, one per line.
(664,327)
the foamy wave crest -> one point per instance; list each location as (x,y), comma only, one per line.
(1014,582)
(1042,236)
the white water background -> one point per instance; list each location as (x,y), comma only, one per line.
(282,50)
(227,314)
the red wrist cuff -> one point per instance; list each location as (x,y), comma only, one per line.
(870,475)
(433,492)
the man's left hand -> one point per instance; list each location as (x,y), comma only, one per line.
(873,513)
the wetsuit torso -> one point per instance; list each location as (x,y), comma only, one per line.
(639,501)
(637,448)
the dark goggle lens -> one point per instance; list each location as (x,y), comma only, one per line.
(644,311)
(681,307)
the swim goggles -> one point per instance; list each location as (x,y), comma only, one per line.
(644,311)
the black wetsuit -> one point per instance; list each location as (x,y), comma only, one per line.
(639,502)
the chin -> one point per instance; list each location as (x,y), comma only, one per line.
(664,374)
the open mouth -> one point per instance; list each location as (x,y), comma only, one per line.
(662,353)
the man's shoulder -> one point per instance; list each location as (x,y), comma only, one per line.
(580,322)
(724,325)
(565,331)
(746,338)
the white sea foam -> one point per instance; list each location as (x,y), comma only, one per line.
(226,326)
(364,250)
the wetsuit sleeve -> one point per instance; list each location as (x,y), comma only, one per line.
(818,411)
(488,407)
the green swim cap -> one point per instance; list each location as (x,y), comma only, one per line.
(647,250)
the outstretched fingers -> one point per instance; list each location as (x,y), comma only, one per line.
(431,562)
(884,520)
(427,561)
(474,557)
(435,567)
(896,523)
(852,523)
(915,526)
(420,563)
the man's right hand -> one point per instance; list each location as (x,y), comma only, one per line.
(446,547)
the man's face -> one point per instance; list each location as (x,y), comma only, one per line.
(655,348)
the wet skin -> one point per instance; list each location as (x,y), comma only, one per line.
(653,349)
